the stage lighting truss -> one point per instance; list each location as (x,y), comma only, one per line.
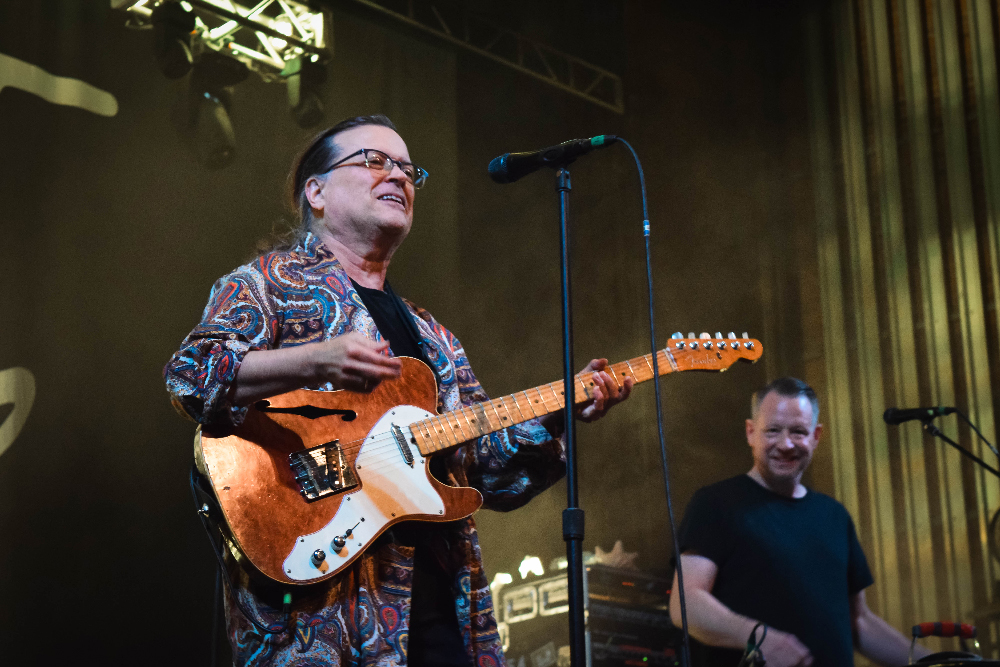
(466,30)
(272,37)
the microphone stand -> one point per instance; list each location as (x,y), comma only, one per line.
(573,518)
(936,432)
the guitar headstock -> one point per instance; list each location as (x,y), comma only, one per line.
(711,353)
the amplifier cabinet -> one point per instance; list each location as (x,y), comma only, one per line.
(627,615)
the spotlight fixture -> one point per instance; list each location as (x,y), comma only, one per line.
(280,40)
(303,79)
(264,37)
(209,99)
(172,28)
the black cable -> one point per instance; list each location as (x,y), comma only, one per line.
(686,654)
(981,436)
(217,550)
(217,609)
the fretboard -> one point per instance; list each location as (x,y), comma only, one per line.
(453,428)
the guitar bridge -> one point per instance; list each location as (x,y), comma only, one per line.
(322,471)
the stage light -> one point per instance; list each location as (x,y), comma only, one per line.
(209,99)
(214,139)
(283,25)
(172,28)
(303,79)
(500,579)
(138,6)
(531,564)
(218,42)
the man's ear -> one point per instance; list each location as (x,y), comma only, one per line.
(750,430)
(315,195)
(817,432)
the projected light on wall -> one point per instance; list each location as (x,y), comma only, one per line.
(17,390)
(216,43)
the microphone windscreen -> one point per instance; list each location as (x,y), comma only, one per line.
(498,169)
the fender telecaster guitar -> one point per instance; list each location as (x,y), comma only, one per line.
(311,478)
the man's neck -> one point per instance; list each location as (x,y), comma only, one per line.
(365,266)
(793,489)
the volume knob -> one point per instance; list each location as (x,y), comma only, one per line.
(318,557)
(338,543)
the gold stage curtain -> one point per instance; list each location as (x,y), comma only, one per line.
(905,149)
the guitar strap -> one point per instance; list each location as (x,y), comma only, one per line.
(406,317)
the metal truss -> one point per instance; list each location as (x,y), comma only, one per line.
(271,37)
(565,72)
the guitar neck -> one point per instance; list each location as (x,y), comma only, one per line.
(454,428)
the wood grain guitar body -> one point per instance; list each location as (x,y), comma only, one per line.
(280,531)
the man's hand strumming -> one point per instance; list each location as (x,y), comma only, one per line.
(351,362)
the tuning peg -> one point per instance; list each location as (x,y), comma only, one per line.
(691,334)
(731,336)
(704,335)
(744,335)
(718,334)
(676,334)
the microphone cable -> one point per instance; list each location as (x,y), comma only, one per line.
(686,655)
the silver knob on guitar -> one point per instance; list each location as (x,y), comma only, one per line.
(339,542)
(318,557)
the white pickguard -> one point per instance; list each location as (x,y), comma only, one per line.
(389,488)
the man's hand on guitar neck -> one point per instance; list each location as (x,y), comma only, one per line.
(606,394)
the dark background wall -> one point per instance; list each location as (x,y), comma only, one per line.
(111,235)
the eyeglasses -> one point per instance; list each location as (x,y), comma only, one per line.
(376,159)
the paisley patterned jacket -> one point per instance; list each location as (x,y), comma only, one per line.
(360,617)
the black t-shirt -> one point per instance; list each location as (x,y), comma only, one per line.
(792,563)
(434,637)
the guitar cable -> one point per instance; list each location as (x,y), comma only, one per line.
(686,653)
(206,504)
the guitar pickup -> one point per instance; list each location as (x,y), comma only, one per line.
(404,448)
(322,471)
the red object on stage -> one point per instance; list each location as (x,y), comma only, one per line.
(944,629)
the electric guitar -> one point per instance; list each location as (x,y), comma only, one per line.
(311,478)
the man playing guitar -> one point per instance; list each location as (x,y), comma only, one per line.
(318,313)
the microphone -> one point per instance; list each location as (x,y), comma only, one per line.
(895,416)
(511,166)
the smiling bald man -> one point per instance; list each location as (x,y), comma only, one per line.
(761,547)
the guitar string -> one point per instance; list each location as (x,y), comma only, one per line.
(378,444)
(357,444)
(385,441)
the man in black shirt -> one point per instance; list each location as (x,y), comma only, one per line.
(762,547)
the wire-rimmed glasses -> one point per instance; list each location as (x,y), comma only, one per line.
(376,159)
